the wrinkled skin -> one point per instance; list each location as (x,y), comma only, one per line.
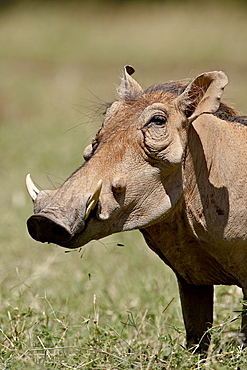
(166,163)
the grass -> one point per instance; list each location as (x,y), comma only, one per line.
(105,306)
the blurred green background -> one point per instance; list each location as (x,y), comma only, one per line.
(59,62)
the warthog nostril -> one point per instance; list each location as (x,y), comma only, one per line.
(44,229)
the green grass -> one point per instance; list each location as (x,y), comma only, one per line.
(105,306)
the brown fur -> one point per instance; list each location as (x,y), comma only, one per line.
(172,163)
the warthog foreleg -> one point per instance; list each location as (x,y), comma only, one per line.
(243,338)
(197,308)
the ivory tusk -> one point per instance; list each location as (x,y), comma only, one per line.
(93,200)
(31,188)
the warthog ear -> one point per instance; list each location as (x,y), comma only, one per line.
(129,88)
(202,95)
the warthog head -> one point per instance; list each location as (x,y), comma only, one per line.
(132,175)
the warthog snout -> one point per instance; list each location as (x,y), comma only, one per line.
(44,229)
(56,221)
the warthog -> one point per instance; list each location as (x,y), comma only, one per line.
(171,162)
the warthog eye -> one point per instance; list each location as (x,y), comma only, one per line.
(157,120)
